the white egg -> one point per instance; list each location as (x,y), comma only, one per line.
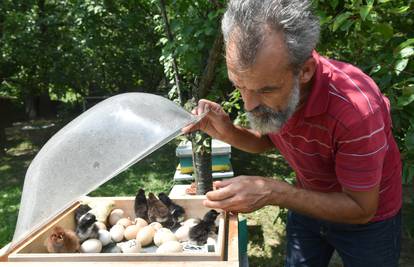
(104,237)
(131,232)
(191,222)
(156,225)
(125,222)
(131,246)
(183,233)
(101,225)
(91,246)
(140,222)
(117,233)
(146,235)
(115,216)
(163,235)
(170,247)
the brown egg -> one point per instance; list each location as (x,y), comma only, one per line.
(115,216)
(131,232)
(101,226)
(125,222)
(146,235)
(163,235)
(170,247)
(156,225)
(140,222)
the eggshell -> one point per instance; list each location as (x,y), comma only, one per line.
(146,235)
(115,216)
(131,246)
(131,232)
(117,233)
(191,222)
(91,246)
(156,225)
(183,233)
(104,237)
(163,235)
(125,222)
(140,222)
(101,226)
(170,247)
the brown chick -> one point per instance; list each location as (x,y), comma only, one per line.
(157,211)
(62,241)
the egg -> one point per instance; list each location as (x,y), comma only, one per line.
(115,216)
(91,246)
(191,222)
(146,235)
(140,222)
(117,233)
(131,246)
(183,233)
(101,225)
(125,222)
(163,235)
(104,237)
(156,225)
(131,232)
(170,247)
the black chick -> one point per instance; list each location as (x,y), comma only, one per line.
(157,211)
(141,205)
(201,231)
(62,241)
(86,227)
(176,211)
(80,211)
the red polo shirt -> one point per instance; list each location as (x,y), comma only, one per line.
(342,138)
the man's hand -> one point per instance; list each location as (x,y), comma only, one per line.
(216,123)
(241,194)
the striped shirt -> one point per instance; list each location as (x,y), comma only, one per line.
(342,138)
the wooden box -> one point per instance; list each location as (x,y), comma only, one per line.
(226,254)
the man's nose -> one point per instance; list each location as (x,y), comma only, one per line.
(250,99)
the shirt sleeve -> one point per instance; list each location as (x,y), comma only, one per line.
(360,153)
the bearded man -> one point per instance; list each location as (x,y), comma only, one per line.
(330,122)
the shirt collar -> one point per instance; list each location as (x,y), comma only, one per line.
(318,99)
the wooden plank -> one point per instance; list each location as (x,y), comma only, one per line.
(233,239)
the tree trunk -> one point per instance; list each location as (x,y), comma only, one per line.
(201,145)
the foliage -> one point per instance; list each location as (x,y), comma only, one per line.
(378,37)
(76,48)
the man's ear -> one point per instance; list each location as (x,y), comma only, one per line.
(307,71)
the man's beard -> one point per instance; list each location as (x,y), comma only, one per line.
(265,120)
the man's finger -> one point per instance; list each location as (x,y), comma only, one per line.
(190,128)
(224,204)
(223,183)
(220,194)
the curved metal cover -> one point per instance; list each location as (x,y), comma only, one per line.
(92,149)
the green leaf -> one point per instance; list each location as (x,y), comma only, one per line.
(409,139)
(407,52)
(400,10)
(386,30)
(405,100)
(401,65)
(364,11)
(333,3)
(404,44)
(340,20)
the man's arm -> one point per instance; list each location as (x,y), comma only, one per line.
(218,125)
(246,194)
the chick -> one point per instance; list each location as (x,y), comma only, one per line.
(206,227)
(86,227)
(157,211)
(80,211)
(141,205)
(62,241)
(176,211)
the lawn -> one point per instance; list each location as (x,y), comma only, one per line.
(154,173)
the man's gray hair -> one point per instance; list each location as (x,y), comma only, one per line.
(245,22)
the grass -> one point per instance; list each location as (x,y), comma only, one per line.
(266,228)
